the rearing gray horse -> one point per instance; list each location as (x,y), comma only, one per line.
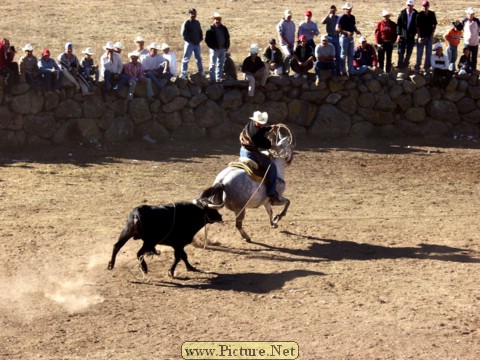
(241,191)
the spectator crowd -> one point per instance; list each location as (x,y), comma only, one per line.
(295,52)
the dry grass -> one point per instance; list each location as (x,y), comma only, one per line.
(92,23)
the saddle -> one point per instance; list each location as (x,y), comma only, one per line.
(251,168)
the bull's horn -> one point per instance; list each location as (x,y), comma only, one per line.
(217,207)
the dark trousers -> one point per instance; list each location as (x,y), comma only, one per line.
(10,75)
(441,77)
(385,50)
(405,49)
(473,56)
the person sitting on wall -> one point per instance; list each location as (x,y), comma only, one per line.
(50,73)
(465,62)
(364,57)
(303,58)
(273,57)
(8,68)
(111,68)
(134,72)
(155,66)
(254,69)
(440,65)
(326,58)
(29,68)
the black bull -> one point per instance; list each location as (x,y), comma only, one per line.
(174,225)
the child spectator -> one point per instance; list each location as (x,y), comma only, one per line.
(88,67)
(453,37)
(465,63)
(440,66)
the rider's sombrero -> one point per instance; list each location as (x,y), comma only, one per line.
(260,117)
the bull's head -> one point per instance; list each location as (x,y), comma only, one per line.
(211,211)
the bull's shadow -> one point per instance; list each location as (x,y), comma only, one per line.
(251,282)
(320,249)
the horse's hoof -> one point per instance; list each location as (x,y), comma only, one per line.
(276,219)
(248,240)
(274,226)
(171,274)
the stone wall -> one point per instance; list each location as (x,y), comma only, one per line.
(374,105)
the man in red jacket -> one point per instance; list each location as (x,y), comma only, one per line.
(385,37)
(8,68)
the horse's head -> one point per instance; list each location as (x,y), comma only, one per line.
(283,142)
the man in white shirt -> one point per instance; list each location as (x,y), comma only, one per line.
(171,57)
(155,65)
(111,67)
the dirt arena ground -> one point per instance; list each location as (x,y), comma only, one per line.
(377,258)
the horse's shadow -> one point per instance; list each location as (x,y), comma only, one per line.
(320,249)
(251,282)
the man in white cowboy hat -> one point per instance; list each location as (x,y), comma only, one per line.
(111,67)
(155,66)
(28,67)
(254,69)
(171,57)
(192,35)
(88,67)
(254,139)
(118,47)
(134,72)
(217,39)
(347,28)
(286,37)
(471,26)
(406,31)
(139,42)
(385,37)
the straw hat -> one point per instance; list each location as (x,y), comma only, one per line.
(138,39)
(347,6)
(109,46)
(164,46)
(153,45)
(216,15)
(437,46)
(254,49)
(27,47)
(134,53)
(260,117)
(386,13)
(87,51)
(118,45)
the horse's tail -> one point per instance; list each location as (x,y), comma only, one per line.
(214,194)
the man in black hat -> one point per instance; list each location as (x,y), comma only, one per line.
(453,37)
(193,36)
(273,58)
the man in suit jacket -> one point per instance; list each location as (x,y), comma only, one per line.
(406,31)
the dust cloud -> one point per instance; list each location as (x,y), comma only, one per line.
(34,293)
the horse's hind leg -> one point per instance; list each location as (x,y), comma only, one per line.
(269,210)
(278,217)
(238,224)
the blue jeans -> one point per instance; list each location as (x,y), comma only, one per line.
(217,60)
(427,45)
(47,77)
(156,75)
(264,161)
(188,49)
(452,54)
(405,49)
(122,80)
(347,49)
(334,40)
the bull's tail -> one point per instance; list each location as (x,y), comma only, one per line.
(213,194)
(133,228)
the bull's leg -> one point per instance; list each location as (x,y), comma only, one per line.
(238,224)
(176,260)
(141,258)
(124,237)
(184,257)
(278,217)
